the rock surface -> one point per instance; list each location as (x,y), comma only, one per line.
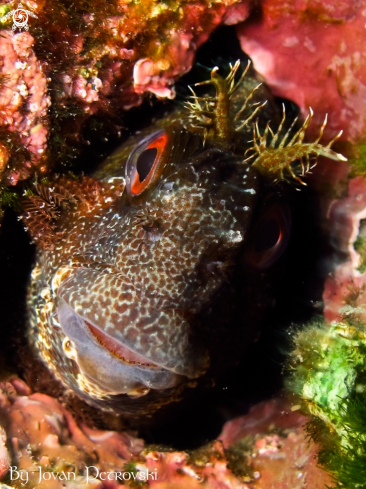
(77,61)
(312,52)
(24,103)
(345,289)
(264,449)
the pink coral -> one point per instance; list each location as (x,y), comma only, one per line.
(23,96)
(97,61)
(45,439)
(345,217)
(4,454)
(304,49)
(159,76)
(312,52)
(38,423)
(285,461)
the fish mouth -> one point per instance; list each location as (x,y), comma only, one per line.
(118,349)
(106,361)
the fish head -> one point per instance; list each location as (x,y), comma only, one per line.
(147,290)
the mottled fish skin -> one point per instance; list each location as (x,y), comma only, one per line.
(141,270)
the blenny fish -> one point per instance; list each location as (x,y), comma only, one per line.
(151,274)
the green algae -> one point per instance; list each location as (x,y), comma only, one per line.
(9,198)
(328,373)
(131,468)
(238,458)
(358,160)
(360,246)
(328,365)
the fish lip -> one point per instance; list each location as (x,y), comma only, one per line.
(175,351)
(147,363)
(99,366)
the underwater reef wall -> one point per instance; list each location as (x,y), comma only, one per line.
(24,103)
(45,447)
(80,59)
(312,52)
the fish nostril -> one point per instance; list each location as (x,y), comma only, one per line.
(139,391)
(69,348)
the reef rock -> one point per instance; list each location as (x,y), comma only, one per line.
(278,454)
(312,52)
(264,449)
(24,103)
(98,58)
(345,290)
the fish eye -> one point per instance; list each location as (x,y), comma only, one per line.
(269,234)
(269,237)
(145,163)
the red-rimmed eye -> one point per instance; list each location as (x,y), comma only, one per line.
(145,163)
(269,237)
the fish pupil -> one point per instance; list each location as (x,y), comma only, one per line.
(145,162)
(268,235)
